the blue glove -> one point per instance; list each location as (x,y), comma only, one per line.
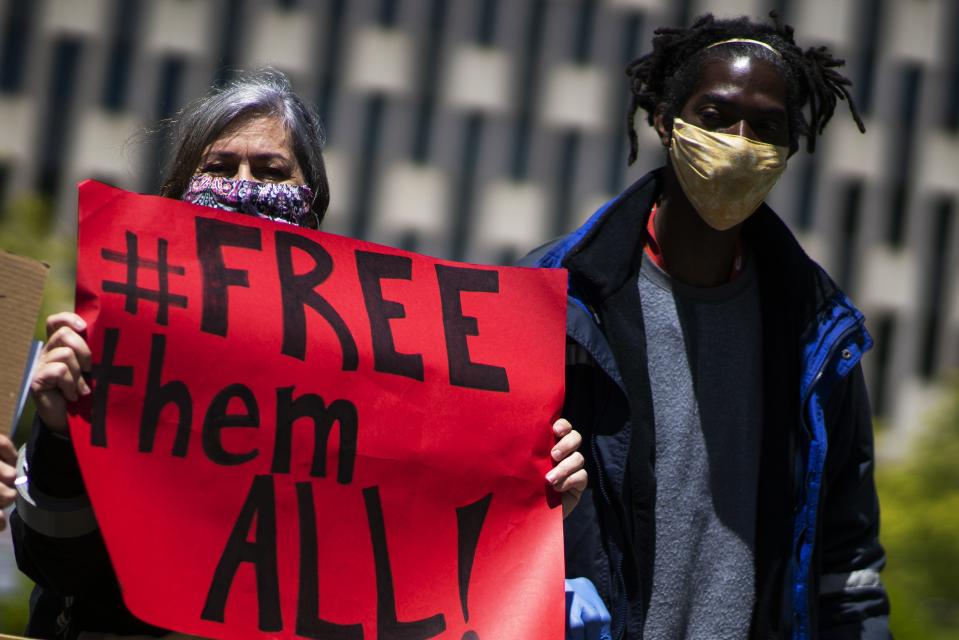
(586,615)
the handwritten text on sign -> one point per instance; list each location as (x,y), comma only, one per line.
(294,434)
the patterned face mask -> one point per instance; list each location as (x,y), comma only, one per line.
(282,202)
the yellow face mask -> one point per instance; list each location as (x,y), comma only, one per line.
(726,177)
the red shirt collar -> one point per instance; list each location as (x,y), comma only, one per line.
(655,253)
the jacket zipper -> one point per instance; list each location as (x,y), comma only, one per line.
(853,328)
(830,355)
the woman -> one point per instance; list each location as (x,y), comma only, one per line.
(252,147)
(8,461)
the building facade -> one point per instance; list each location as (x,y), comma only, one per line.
(478,129)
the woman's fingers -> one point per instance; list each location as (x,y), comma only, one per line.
(56,376)
(66,337)
(64,319)
(59,374)
(8,462)
(8,452)
(68,357)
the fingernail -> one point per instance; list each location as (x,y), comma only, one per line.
(551,477)
(556,453)
(81,324)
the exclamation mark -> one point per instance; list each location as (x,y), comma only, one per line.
(469,523)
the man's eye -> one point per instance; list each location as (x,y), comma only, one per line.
(711,118)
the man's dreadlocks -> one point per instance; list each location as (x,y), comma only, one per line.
(664,78)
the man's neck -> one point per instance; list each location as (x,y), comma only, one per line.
(693,252)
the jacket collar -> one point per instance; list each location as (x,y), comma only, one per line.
(606,251)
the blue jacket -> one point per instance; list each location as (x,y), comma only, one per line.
(817,553)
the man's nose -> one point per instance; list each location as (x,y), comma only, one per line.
(742,129)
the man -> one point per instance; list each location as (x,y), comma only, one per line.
(713,368)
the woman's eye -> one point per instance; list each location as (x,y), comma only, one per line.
(274,174)
(215,168)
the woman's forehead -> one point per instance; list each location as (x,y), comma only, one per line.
(257,131)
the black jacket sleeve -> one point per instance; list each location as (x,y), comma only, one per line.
(73,570)
(852,601)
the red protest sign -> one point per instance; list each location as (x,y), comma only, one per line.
(294,434)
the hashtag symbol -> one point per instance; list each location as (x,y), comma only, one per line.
(132,289)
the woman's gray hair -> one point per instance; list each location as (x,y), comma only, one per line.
(265,92)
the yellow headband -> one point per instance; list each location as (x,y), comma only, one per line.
(745,41)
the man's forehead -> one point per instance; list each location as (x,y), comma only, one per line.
(741,62)
(741,74)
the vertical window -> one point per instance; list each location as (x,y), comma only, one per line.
(122,46)
(168,99)
(363,191)
(365,184)
(527,85)
(852,201)
(388,12)
(464,195)
(332,39)
(572,140)
(618,149)
(14,38)
(230,20)
(871,12)
(906,131)
(684,12)
(808,181)
(885,330)
(63,75)
(428,81)
(938,243)
(952,92)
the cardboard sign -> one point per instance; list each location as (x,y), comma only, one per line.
(298,435)
(21,292)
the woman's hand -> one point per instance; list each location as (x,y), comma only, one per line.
(568,476)
(60,367)
(8,473)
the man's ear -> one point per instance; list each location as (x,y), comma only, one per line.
(663,130)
